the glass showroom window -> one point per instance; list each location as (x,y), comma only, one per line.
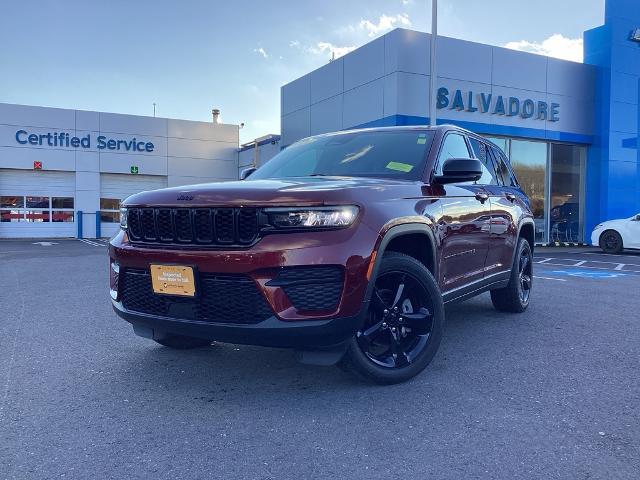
(62,209)
(529,162)
(11,209)
(110,210)
(36,209)
(567,193)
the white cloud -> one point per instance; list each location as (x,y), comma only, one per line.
(261,51)
(333,50)
(323,48)
(385,23)
(556,46)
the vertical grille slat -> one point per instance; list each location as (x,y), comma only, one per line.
(203,225)
(164,224)
(225,229)
(148,221)
(135,227)
(194,226)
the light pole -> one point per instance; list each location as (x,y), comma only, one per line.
(433,76)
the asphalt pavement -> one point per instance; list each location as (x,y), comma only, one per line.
(551,393)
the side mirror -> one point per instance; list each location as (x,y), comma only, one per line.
(246,172)
(636,218)
(458,170)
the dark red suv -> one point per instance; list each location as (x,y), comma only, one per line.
(344,246)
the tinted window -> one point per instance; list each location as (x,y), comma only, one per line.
(488,171)
(38,202)
(11,202)
(502,171)
(109,204)
(454,146)
(62,202)
(396,154)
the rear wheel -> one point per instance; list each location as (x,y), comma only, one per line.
(515,296)
(180,342)
(404,323)
(611,241)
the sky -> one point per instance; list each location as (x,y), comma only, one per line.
(189,56)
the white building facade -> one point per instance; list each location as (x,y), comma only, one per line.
(61,168)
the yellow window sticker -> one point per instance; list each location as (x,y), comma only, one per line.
(400,167)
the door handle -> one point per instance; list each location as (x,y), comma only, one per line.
(510,196)
(483,197)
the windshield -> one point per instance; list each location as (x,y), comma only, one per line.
(389,154)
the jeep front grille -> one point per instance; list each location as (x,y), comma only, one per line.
(196,226)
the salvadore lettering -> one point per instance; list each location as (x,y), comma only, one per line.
(62,139)
(497,105)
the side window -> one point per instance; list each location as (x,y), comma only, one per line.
(454,146)
(489,176)
(504,175)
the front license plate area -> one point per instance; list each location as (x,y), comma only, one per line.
(173,280)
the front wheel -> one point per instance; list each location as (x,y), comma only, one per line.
(403,326)
(515,296)
(611,242)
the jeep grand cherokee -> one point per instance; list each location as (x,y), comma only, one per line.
(344,246)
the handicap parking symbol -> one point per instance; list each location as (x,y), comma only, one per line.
(588,273)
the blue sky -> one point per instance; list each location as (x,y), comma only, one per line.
(190,55)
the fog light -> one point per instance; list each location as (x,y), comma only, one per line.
(114,274)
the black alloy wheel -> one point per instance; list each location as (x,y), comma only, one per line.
(399,322)
(525,273)
(403,326)
(515,296)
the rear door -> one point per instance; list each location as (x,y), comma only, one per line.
(465,223)
(507,203)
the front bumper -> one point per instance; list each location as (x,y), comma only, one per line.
(284,325)
(272,332)
(595,237)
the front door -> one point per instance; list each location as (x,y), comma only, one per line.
(464,226)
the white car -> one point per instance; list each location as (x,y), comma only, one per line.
(614,235)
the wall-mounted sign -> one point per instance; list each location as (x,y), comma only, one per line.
(62,139)
(134,169)
(482,102)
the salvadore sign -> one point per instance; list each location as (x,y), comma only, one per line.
(470,101)
(62,139)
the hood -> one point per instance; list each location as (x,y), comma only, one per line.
(292,191)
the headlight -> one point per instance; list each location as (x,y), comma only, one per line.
(321,217)
(123,218)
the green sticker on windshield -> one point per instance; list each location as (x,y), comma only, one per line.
(422,139)
(400,167)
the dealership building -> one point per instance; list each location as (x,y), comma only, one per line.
(570,129)
(64,173)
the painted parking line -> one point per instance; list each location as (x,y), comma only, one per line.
(91,242)
(550,278)
(592,264)
(588,274)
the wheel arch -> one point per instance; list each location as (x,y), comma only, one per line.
(527,231)
(405,238)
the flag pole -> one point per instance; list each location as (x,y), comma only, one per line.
(433,76)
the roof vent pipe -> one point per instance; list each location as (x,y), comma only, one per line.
(216,115)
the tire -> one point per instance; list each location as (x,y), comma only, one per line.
(180,342)
(610,242)
(412,326)
(515,296)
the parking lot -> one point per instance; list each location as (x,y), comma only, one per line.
(551,393)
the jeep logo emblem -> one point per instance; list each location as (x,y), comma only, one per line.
(185,197)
